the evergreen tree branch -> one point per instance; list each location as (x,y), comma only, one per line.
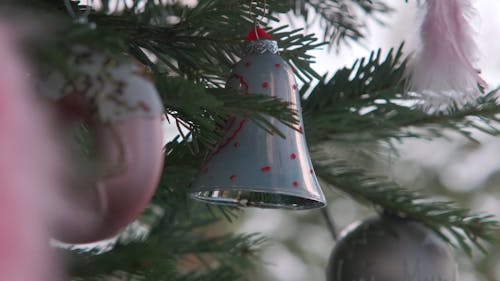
(211,32)
(179,247)
(209,257)
(341,20)
(205,111)
(443,217)
(367,102)
(395,121)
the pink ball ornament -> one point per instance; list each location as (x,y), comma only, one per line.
(123,112)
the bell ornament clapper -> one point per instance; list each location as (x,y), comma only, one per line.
(251,167)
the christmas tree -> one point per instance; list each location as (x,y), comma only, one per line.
(181,62)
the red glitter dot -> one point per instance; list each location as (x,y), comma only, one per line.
(296,184)
(265,85)
(233,177)
(236,144)
(294,87)
(293,156)
(248,64)
(311,171)
(265,169)
(278,65)
(301,130)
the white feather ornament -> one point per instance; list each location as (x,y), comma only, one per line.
(441,72)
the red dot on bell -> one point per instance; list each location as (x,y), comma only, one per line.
(233,177)
(294,87)
(296,184)
(293,156)
(278,65)
(311,171)
(265,169)
(236,144)
(265,85)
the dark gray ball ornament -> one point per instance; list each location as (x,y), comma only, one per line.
(390,249)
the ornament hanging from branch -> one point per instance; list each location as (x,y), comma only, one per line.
(441,73)
(123,112)
(390,249)
(251,167)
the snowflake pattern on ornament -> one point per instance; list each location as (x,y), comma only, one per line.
(116,89)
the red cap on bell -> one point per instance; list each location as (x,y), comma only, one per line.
(258,34)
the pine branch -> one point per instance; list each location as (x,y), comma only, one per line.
(367,102)
(393,121)
(442,216)
(179,250)
(204,41)
(368,80)
(204,112)
(341,20)
(336,106)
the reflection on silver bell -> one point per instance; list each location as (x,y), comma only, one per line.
(251,167)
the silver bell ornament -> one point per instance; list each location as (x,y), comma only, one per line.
(252,167)
(123,113)
(390,249)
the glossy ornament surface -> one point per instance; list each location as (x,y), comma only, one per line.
(252,167)
(390,249)
(123,113)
